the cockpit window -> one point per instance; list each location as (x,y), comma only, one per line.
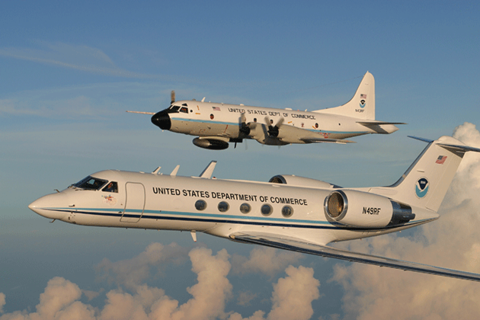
(184,110)
(174,108)
(111,187)
(90,183)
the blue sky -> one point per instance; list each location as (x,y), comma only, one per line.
(70,70)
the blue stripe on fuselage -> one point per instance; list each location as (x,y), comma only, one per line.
(236,124)
(220,218)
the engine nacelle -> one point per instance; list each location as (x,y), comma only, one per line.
(364,210)
(292,180)
(210,143)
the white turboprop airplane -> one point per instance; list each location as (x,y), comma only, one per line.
(288,212)
(217,124)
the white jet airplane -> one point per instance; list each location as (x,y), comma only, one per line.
(288,212)
(217,124)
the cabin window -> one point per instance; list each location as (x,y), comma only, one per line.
(211,116)
(287,211)
(223,206)
(90,183)
(316,125)
(267,209)
(184,110)
(245,208)
(200,205)
(111,187)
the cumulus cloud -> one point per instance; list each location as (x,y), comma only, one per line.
(59,301)
(291,298)
(2,301)
(264,260)
(452,241)
(133,272)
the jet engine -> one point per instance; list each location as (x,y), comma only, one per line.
(210,143)
(292,180)
(364,210)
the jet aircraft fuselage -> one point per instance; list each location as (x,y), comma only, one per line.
(288,212)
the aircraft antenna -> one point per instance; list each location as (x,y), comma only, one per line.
(207,173)
(174,172)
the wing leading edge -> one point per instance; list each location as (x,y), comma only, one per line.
(299,245)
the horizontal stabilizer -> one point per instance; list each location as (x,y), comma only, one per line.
(298,245)
(382,127)
(141,112)
(456,148)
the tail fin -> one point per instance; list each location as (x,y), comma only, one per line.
(427,180)
(362,105)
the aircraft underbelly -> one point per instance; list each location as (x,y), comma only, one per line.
(199,128)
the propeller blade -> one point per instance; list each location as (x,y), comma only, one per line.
(280,122)
(268,121)
(243,119)
(244,128)
(172,96)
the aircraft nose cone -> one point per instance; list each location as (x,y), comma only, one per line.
(162,119)
(51,206)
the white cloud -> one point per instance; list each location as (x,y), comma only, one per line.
(292,296)
(133,272)
(79,57)
(59,301)
(265,260)
(452,241)
(2,301)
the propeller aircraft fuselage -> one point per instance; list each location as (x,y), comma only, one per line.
(217,124)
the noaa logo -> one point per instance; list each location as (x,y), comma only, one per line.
(362,103)
(421,188)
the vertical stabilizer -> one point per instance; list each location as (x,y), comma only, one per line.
(427,180)
(362,105)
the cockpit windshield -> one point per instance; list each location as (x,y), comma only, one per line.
(90,183)
(174,108)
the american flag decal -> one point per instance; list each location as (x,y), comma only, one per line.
(216,108)
(363,96)
(441,159)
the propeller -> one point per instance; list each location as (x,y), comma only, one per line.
(244,128)
(273,130)
(172,97)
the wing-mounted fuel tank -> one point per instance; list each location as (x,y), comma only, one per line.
(293,180)
(364,210)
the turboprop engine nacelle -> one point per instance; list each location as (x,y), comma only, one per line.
(292,180)
(364,210)
(211,143)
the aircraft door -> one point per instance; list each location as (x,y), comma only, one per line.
(134,202)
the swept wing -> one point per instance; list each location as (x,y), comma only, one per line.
(299,245)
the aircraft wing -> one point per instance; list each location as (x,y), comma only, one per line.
(291,134)
(377,123)
(318,140)
(299,245)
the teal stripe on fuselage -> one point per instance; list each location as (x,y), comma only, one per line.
(281,222)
